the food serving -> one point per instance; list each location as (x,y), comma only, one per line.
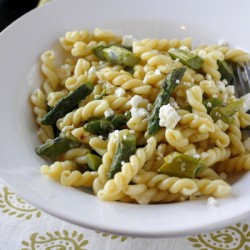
(145,121)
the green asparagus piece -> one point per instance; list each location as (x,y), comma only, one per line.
(98,51)
(67,104)
(163,98)
(118,121)
(182,166)
(116,54)
(54,147)
(226,113)
(99,127)
(93,161)
(226,71)
(126,147)
(106,125)
(211,103)
(187,58)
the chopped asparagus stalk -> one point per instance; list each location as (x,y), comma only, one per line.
(93,161)
(116,54)
(104,126)
(187,58)
(67,104)
(226,113)
(99,127)
(211,103)
(226,71)
(163,98)
(118,121)
(181,165)
(98,51)
(126,147)
(52,148)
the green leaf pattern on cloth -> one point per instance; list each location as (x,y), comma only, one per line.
(231,238)
(70,237)
(58,240)
(112,236)
(13,205)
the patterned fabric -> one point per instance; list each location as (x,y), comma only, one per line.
(36,230)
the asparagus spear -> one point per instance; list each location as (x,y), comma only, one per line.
(126,147)
(99,127)
(116,54)
(118,121)
(104,126)
(52,148)
(67,103)
(187,58)
(93,161)
(181,165)
(226,71)
(211,103)
(163,98)
(226,113)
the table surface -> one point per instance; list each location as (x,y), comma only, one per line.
(34,229)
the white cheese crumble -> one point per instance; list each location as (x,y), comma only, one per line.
(196,156)
(158,72)
(221,86)
(119,92)
(183,167)
(168,117)
(183,47)
(211,202)
(127,40)
(222,43)
(209,104)
(230,90)
(135,111)
(109,112)
(136,100)
(202,53)
(92,70)
(246,105)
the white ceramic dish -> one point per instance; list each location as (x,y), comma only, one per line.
(20,47)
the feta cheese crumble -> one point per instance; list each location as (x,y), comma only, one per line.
(92,70)
(127,40)
(119,92)
(136,100)
(222,43)
(158,72)
(246,105)
(211,202)
(196,156)
(109,112)
(135,111)
(168,117)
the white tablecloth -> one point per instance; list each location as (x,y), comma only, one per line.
(25,227)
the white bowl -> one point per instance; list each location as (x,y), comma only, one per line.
(20,47)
